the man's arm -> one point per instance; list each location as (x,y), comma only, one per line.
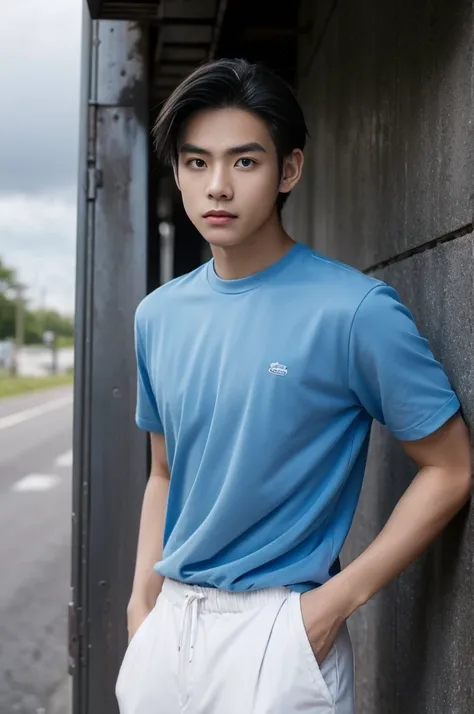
(438,492)
(147,583)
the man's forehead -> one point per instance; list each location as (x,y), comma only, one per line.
(222,129)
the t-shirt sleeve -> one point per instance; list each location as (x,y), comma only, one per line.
(147,416)
(392,371)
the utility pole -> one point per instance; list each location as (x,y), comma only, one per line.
(19,328)
(50,339)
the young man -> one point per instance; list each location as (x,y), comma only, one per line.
(259,375)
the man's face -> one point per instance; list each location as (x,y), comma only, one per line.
(228,174)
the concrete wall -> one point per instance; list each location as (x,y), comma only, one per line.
(387,89)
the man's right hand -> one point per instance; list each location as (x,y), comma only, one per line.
(136,614)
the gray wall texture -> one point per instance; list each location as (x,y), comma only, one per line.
(387,89)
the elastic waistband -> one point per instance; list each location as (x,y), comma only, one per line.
(215,600)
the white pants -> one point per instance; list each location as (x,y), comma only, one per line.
(208,651)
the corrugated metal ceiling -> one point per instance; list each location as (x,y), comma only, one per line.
(187,33)
(159,10)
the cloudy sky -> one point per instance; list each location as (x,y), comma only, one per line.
(39,86)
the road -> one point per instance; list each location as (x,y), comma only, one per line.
(35,517)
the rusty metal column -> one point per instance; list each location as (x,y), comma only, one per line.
(110,461)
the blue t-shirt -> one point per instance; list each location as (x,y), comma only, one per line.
(266,388)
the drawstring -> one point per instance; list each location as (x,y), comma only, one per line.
(190,600)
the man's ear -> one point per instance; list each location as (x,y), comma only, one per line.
(292,170)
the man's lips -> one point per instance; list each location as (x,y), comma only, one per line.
(219,218)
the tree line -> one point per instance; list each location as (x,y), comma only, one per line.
(36,322)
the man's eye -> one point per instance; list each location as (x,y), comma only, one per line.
(245,163)
(196,163)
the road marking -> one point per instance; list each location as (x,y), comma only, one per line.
(64,459)
(19,417)
(36,482)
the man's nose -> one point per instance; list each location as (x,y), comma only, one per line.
(220,187)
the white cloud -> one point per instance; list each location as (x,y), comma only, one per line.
(37,237)
(39,85)
(39,82)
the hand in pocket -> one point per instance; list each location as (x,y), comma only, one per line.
(323,615)
(136,616)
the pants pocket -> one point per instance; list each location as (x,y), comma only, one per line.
(324,676)
(132,651)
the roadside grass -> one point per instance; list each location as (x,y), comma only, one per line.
(11,386)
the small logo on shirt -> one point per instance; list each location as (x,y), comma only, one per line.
(278,369)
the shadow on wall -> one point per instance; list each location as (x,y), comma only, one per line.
(426,646)
(413,641)
(420,613)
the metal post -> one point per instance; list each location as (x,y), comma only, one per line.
(82,388)
(19,329)
(110,456)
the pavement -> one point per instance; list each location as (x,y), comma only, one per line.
(35,545)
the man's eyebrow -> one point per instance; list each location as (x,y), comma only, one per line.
(252,147)
(192,149)
(249,148)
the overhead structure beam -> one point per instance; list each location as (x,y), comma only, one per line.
(187,33)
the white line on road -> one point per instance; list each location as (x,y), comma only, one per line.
(36,482)
(64,459)
(19,417)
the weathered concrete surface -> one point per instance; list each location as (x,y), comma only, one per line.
(388,96)
(414,642)
(438,286)
(389,101)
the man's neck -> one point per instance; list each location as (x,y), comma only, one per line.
(254,254)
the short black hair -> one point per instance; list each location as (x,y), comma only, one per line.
(235,83)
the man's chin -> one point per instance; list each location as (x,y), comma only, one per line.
(219,239)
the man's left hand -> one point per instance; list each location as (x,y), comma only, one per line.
(324,611)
